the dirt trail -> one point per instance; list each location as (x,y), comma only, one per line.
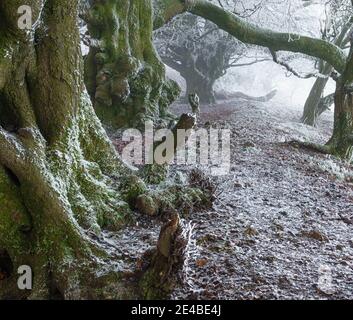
(283,226)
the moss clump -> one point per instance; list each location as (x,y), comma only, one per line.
(184,200)
(155,173)
(146,205)
(14,219)
(131,188)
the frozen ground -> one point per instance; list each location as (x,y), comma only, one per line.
(282,226)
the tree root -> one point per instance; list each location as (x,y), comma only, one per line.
(324,149)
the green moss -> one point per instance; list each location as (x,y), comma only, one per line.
(147,205)
(153,284)
(182,199)
(154,173)
(13,216)
(124,76)
(132,187)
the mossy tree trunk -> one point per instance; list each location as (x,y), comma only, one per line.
(59,173)
(252,34)
(315,104)
(203,87)
(341,142)
(311,108)
(124,75)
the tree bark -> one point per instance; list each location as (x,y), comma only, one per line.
(197,81)
(59,172)
(124,76)
(341,142)
(311,108)
(62,184)
(202,86)
(315,105)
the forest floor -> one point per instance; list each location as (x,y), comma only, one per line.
(282,224)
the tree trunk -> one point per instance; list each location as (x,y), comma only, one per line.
(200,85)
(124,76)
(59,173)
(341,142)
(314,105)
(311,108)
(197,81)
(62,184)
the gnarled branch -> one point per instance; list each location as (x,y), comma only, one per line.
(252,34)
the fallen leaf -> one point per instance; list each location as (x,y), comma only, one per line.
(201,262)
(316,235)
(250,232)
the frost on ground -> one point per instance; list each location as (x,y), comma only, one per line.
(281,227)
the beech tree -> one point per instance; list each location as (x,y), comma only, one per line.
(62,182)
(124,77)
(342,137)
(199,51)
(336,28)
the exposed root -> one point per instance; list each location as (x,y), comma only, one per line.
(185,200)
(60,199)
(325,149)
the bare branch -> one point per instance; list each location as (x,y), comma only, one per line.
(237,65)
(292,70)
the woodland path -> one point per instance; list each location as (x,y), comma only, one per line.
(282,227)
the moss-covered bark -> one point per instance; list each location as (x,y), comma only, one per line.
(61,181)
(313,103)
(124,76)
(165,10)
(311,108)
(252,34)
(59,173)
(341,142)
